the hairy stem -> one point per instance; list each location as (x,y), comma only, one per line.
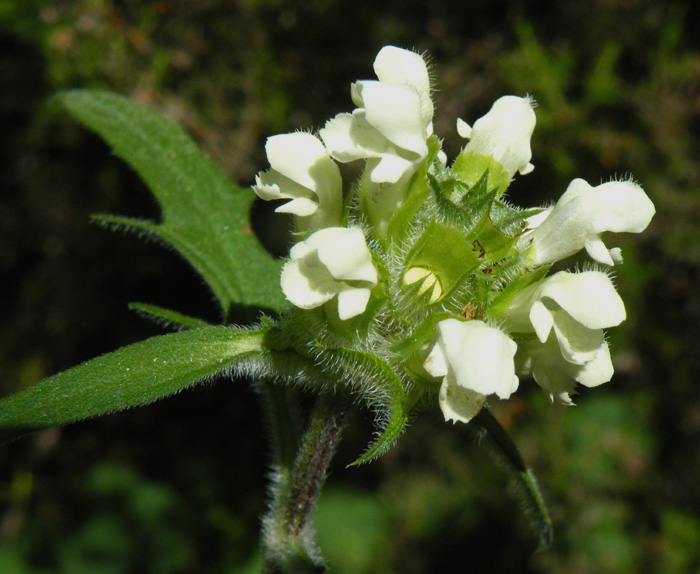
(289,544)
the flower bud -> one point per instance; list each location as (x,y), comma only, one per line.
(503,133)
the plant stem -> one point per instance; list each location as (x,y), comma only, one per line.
(289,544)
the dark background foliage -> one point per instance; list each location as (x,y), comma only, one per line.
(178,487)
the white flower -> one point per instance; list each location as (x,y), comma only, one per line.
(567,312)
(302,170)
(574,305)
(392,121)
(503,133)
(556,375)
(582,214)
(475,360)
(331,262)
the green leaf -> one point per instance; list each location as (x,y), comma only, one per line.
(135,375)
(204,216)
(498,444)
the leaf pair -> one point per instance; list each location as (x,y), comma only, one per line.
(206,219)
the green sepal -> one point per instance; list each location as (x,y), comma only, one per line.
(419,336)
(131,376)
(492,244)
(168,317)
(495,439)
(418,190)
(500,303)
(470,168)
(204,216)
(508,219)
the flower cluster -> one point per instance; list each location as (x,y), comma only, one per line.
(427,267)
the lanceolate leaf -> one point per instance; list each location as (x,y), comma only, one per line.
(204,216)
(131,376)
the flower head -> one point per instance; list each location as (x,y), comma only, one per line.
(582,214)
(331,262)
(441,239)
(302,170)
(475,360)
(503,133)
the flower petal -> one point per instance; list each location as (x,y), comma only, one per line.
(302,170)
(589,297)
(305,285)
(270,185)
(597,371)
(398,66)
(301,206)
(352,302)
(578,345)
(596,249)
(620,206)
(464,129)
(344,253)
(349,137)
(541,319)
(390,169)
(584,212)
(436,362)
(320,265)
(395,111)
(557,385)
(556,375)
(302,158)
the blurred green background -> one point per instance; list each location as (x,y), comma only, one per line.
(178,487)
